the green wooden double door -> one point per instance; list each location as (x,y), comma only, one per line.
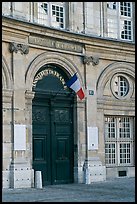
(53,139)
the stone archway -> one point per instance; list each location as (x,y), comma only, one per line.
(109,71)
(48,58)
(6,75)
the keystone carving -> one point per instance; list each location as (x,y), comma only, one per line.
(15,47)
(94,60)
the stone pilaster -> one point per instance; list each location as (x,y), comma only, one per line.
(81,142)
(6,140)
(20,168)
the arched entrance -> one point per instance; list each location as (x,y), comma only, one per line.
(52,121)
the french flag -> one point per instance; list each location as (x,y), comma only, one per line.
(74,84)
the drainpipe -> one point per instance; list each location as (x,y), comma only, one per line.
(11,8)
(101,18)
(85,167)
(84,17)
(12,126)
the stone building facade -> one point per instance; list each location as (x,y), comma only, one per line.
(46,127)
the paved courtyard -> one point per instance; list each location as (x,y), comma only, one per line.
(116,190)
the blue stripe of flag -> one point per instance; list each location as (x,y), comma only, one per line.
(71,80)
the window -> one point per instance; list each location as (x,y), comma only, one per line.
(119,20)
(43,13)
(44,7)
(121,86)
(125,8)
(119,140)
(126,32)
(111,5)
(51,14)
(58,14)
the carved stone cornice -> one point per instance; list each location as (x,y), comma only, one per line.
(93,59)
(15,47)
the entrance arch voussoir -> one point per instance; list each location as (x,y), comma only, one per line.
(49,58)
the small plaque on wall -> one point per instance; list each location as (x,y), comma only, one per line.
(91,92)
(92,138)
(19,137)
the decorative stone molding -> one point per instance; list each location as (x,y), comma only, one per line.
(15,47)
(93,59)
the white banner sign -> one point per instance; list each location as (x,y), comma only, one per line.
(19,137)
(92,138)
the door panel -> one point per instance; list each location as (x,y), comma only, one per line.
(41,141)
(62,161)
(62,144)
(40,158)
(53,140)
(39,144)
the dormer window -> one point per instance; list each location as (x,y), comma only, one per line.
(51,14)
(119,20)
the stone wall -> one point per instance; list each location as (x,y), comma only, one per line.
(27,47)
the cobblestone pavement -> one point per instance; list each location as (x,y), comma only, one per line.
(116,190)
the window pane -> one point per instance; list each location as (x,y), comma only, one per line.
(110,153)
(124,156)
(110,127)
(124,127)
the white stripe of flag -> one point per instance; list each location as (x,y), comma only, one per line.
(75,85)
